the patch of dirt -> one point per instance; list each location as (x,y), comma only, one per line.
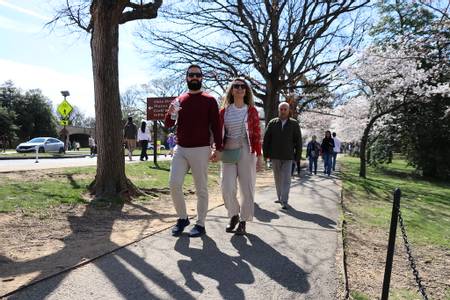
(366,256)
(35,246)
(28,176)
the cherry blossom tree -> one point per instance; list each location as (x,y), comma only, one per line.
(392,77)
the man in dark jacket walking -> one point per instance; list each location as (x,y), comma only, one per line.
(129,135)
(282,145)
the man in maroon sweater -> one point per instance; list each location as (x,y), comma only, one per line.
(196,115)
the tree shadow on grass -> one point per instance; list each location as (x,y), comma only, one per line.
(100,217)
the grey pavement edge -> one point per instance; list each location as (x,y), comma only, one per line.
(287,254)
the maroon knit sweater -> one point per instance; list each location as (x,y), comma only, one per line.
(199,113)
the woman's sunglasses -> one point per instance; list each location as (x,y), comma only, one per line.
(239,86)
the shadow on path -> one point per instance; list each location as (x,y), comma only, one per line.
(124,281)
(314,218)
(209,261)
(264,215)
(274,264)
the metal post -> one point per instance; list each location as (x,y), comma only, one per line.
(155,138)
(391,245)
(37,154)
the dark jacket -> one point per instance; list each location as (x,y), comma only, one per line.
(130,131)
(282,143)
(313,149)
(327,145)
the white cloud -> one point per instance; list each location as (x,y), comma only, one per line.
(51,82)
(24,10)
(10,24)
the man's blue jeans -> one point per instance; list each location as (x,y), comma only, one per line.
(327,158)
(313,164)
(334,160)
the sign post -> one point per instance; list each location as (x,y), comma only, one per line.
(156,111)
(64,109)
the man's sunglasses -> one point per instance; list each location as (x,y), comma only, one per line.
(198,75)
(239,86)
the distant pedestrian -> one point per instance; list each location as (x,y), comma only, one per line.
(92,146)
(130,135)
(327,147)
(282,145)
(312,153)
(336,149)
(172,142)
(143,138)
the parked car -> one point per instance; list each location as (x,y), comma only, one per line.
(44,144)
(150,146)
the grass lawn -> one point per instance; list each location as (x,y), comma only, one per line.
(42,190)
(425,204)
(425,207)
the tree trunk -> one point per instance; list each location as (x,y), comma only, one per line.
(301,143)
(362,151)
(110,180)
(271,101)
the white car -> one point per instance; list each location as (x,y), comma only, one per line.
(150,146)
(44,144)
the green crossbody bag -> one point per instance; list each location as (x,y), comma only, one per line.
(232,150)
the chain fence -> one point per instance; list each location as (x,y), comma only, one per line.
(412,262)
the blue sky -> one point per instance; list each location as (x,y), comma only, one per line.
(33,56)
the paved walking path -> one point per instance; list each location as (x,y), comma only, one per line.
(286,255)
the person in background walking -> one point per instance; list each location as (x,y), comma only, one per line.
(336,149)
(312,153)
(129,134)
(282,145)
(143,138)
(327,152)
(92,146)
(197,116)
(171,141)
(239,121)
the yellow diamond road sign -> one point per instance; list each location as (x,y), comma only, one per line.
(65,108)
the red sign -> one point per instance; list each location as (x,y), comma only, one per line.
(157,107)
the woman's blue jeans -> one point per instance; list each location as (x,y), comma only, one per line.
(328,157)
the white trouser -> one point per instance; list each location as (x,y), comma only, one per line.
(196,159)
(282,175)
(245,172)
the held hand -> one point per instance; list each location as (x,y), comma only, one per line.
(215,156)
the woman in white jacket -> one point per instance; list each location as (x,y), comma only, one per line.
(144,138)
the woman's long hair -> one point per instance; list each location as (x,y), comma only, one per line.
(228,98)
(143,125)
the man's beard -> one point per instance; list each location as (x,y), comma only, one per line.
(194,85)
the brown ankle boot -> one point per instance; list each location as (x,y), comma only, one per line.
(233,222)
(241,228)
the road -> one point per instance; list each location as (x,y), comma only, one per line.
(286,255)
(50,163)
